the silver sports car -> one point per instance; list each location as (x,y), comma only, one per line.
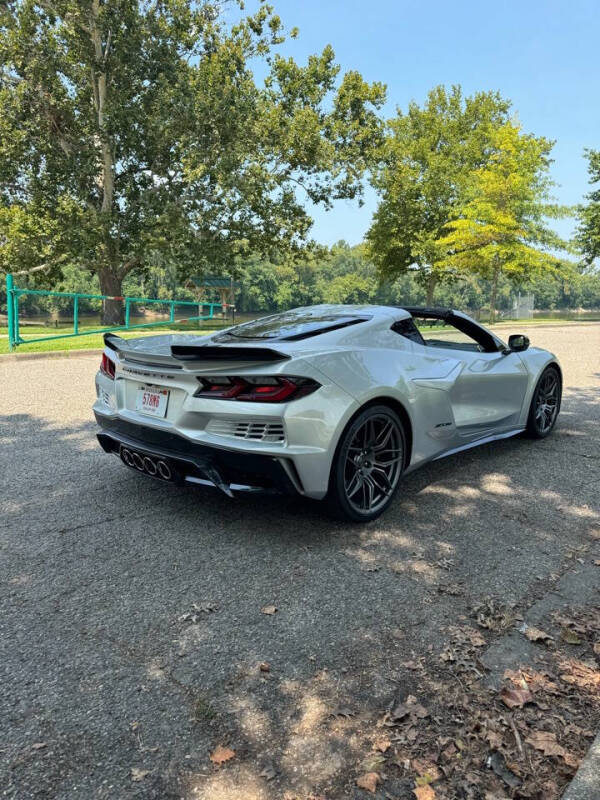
(328,401)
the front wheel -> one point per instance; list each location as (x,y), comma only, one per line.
(545,404)
(368,463)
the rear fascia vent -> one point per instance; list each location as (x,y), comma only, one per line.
(249,430)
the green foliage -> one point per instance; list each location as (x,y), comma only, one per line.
(340,274)
(588,233)
(426,162)
(500,227)
(132,130)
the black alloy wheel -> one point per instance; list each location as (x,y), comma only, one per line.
(545,404)
(368,464)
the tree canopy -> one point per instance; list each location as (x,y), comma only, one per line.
(426,162)
(500,228)
(130,128)
(588,233)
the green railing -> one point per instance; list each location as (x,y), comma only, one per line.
(12,302)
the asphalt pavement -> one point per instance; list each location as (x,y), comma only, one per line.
(132,633)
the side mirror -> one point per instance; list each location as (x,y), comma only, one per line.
(517,343)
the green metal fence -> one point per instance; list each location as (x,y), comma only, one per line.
(12,302)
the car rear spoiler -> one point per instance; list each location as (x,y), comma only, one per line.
(184,352)
(113,342)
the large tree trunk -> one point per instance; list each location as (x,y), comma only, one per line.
(111,279)
(493,295)
(431,284)
(111,284)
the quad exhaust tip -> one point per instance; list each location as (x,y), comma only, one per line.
(147,464)
(163,470)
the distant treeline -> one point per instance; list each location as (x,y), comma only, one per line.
(341,274)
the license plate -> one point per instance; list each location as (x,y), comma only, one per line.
(152,401)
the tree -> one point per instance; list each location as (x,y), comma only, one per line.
(501,229)
(131,129)
(588,233)
(349,288)
(428,156)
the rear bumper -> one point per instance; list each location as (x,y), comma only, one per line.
(198,463)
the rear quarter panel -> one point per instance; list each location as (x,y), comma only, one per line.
(387,370)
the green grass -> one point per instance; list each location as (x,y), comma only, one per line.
(93,341)
(543,321)
(202,709)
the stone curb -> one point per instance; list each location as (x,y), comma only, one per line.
(586,783)
(50,354)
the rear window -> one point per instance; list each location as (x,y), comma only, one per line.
(291,325)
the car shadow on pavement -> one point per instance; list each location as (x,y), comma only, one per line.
(147,624)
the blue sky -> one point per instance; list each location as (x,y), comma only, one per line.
(541,55)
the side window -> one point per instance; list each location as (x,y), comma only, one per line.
(408,329)
(442,333)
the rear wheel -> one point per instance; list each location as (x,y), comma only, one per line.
(368,464)
(545,404)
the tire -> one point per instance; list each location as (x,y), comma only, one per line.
(368,464)
(545,404)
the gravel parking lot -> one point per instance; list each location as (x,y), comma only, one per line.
(132,636)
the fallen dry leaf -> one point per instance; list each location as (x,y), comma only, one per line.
(269,610)
(474,637)
(415,708)
(368,781)
(38,746)
(494,739)
(426,769)
(221,754)
(448,655)
(138,774)
(536,635)
(545,741)
(569,636)
(449,752)
(398,713)
(424,793)
(515,698)
(581,675)
(516,677)
(383,745)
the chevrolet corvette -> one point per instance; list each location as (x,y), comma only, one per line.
(330,402)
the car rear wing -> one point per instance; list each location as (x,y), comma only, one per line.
(113,342)
(183,352)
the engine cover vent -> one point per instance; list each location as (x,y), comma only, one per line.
(252,430)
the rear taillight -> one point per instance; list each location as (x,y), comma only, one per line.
(256,389)
(107,366)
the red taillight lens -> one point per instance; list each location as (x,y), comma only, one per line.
(278,391)
(223,388)
(107,366)
(256,389)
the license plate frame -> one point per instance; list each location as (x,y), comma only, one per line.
(152,401)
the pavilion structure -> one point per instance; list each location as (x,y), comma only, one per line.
(217,288)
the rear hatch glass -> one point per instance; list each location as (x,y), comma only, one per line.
(290,326)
